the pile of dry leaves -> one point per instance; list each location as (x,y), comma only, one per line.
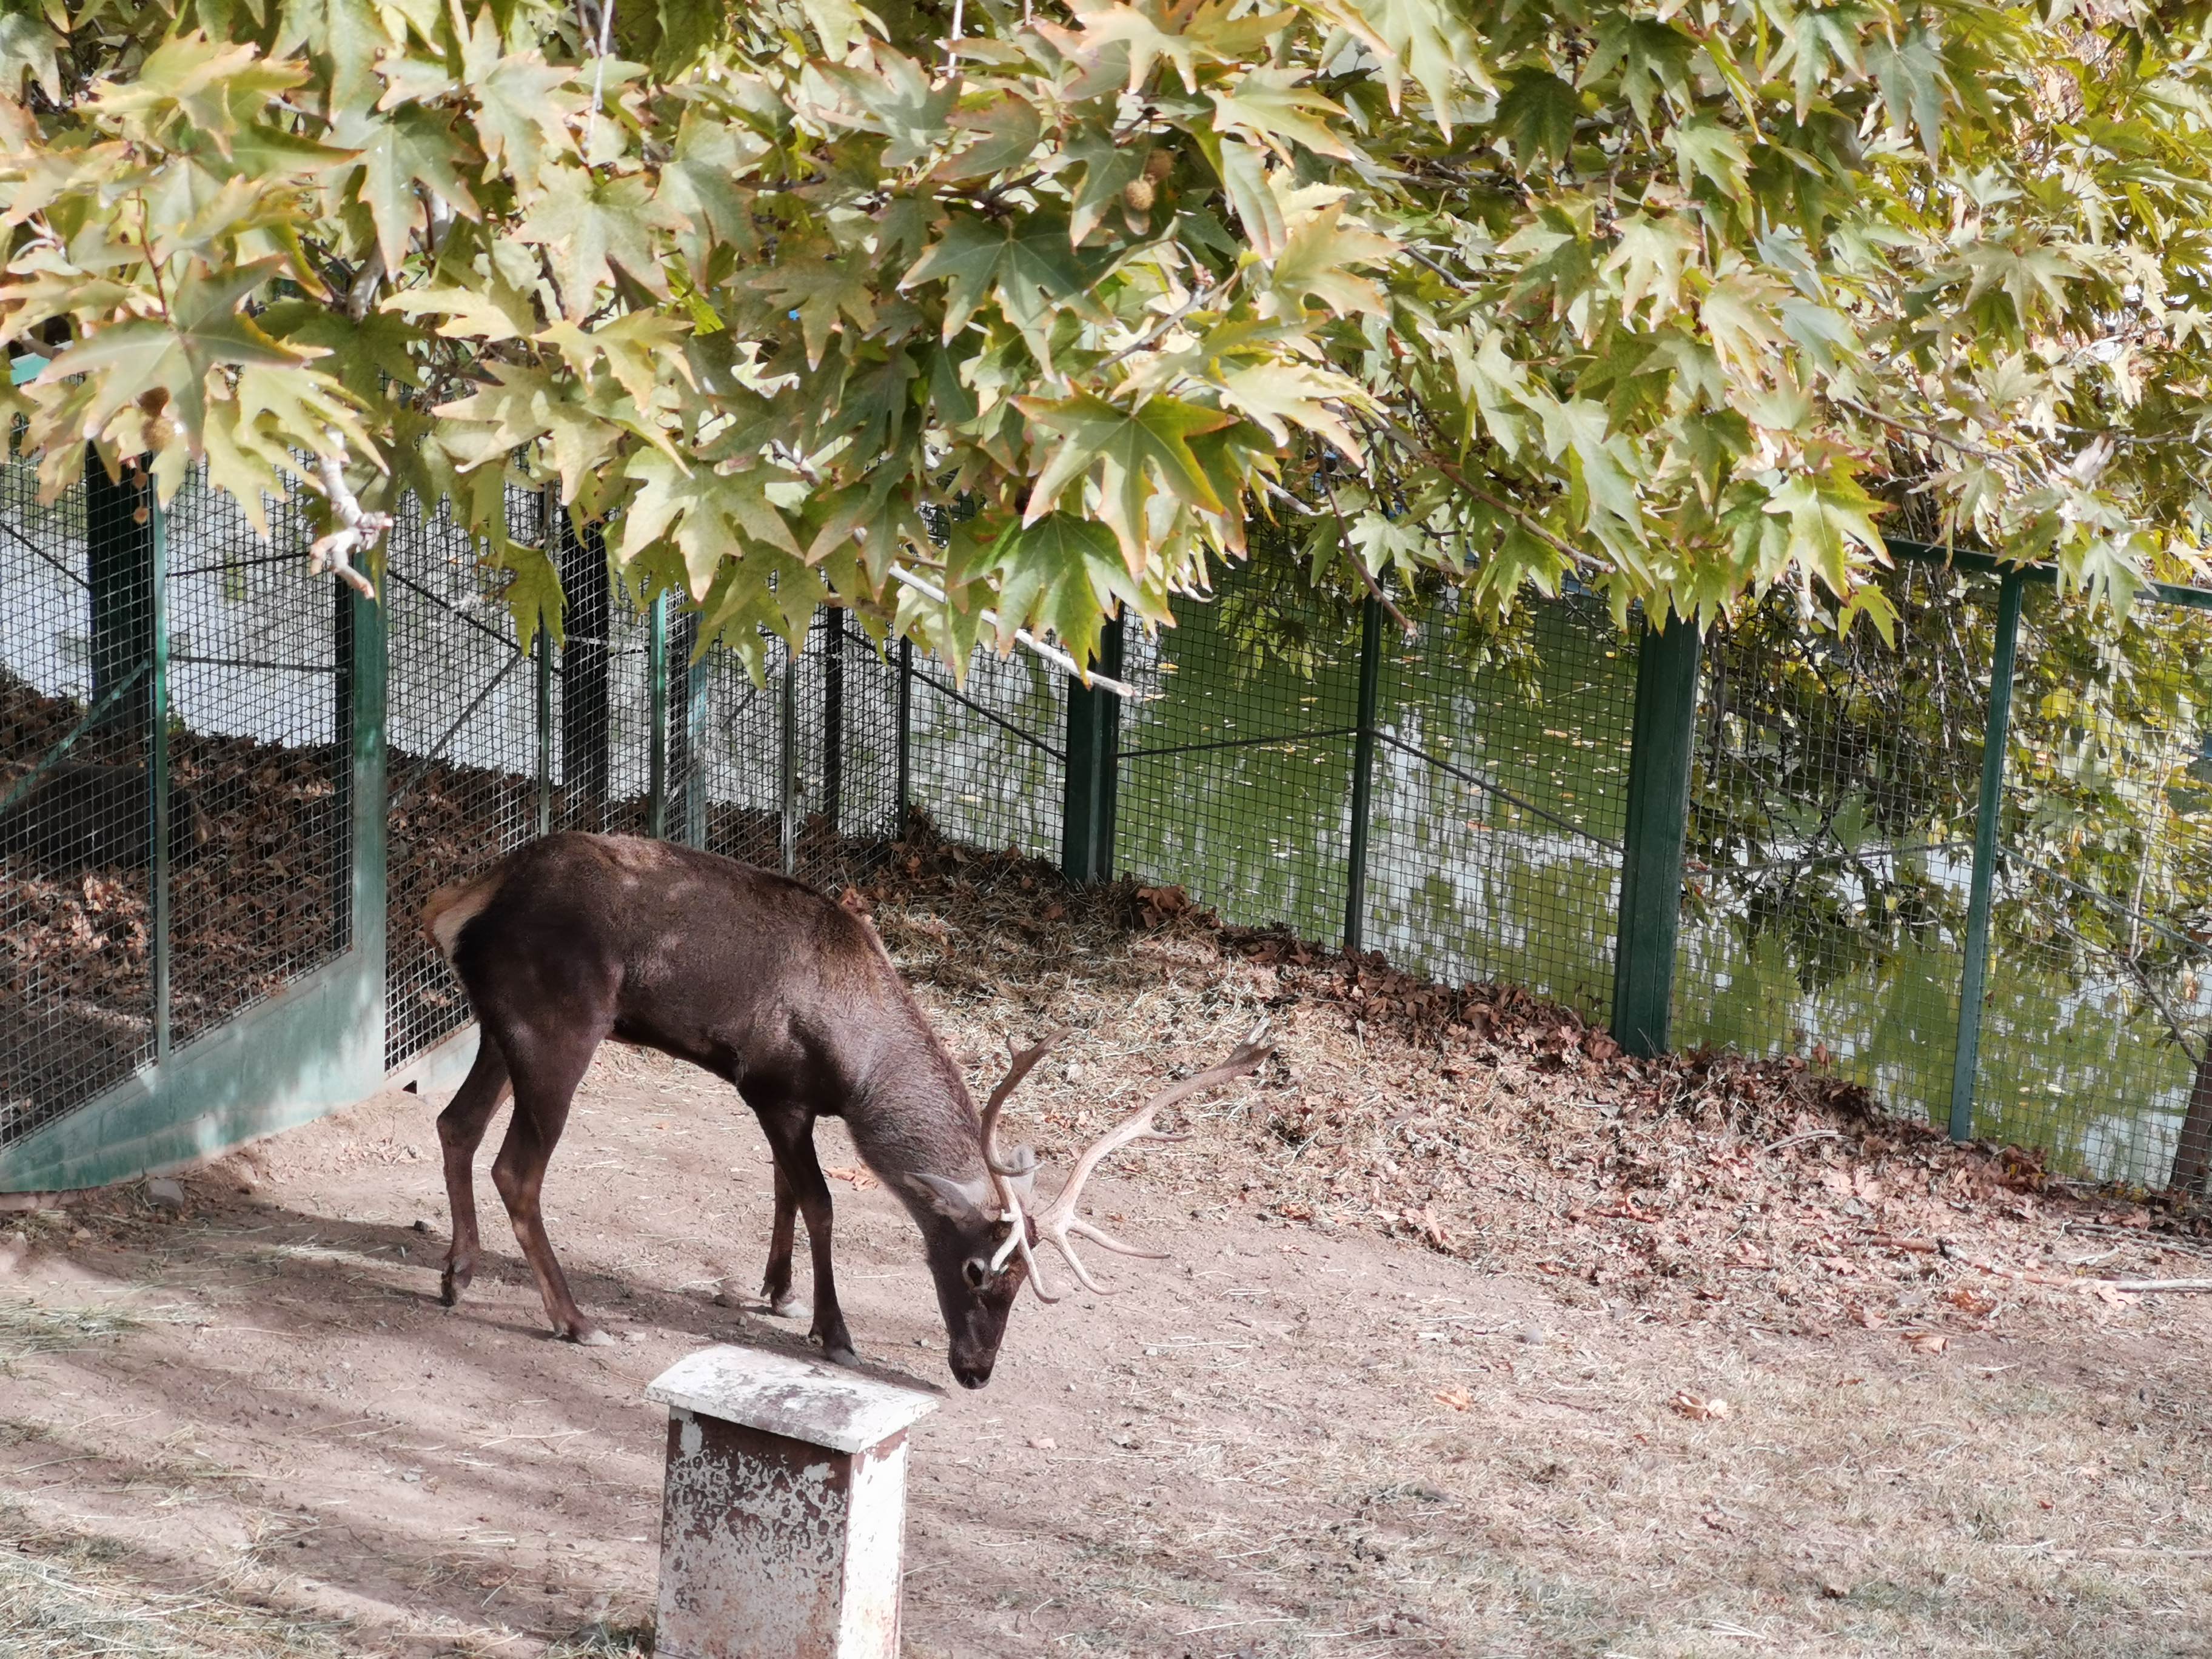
(1496,1127)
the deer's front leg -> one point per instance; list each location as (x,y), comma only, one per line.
(461,1128)
(793,1140)
(776,1283)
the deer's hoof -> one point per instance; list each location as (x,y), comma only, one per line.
(837,1352)
(791,1308)
(451,1283)
(590,1336)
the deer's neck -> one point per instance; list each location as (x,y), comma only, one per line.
(912,1116)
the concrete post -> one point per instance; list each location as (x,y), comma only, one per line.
(783,1529)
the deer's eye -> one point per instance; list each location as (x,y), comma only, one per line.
(976,1271)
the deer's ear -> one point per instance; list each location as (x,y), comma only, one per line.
(956,1200)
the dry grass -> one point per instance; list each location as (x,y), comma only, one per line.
(73,1596)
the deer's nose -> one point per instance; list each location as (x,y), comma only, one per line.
(971,1374)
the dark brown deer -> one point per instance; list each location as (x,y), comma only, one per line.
(575,938)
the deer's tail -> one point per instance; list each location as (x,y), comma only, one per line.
(457,904)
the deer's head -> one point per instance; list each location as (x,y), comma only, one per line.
(982,1233)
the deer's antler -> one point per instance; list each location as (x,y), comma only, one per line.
(1010,1175)
(1059,1220)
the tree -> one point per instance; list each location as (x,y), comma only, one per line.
(976,318)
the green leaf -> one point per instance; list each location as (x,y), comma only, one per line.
(1027,263)
(1244,176)
(523,104)
(1110,166)
(1131,448)
(398,152)
(1536,115)
(709,514)
(1280,395)
(818,291)
(587,224)
(1006,132)
(1704,148)
(1271,107)
(1061,573)
(126,362)
(27,51)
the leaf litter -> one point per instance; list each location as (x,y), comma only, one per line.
(1498,1128)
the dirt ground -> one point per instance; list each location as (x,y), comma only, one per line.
(1479,1339)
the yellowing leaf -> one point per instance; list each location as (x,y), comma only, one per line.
(1133,451)
(587,224)
(709,514)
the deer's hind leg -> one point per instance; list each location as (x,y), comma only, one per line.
(547,1066)
(461,1128)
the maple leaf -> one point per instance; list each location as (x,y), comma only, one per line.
(1313,264)
(1537,115)
(217,87)
(1029,263)
(1652,255)
(586,224)
(1281,395)
(1271,105)
(1131,448)
(817,291)
(1064,574)
(1007,129)
(398,152)
(707,514)
(205,328)
(522,104)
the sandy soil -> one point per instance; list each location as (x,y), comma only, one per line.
(250,1427)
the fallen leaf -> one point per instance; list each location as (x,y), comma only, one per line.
(1043,1443)
(859,1180)
(1698,1407)
(1926,1341)
(1458,1398)
(1962,1297)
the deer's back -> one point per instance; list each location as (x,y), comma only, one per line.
(747,972)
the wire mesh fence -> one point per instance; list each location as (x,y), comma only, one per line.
(257,721)
(1235,764)
(462,760)
(1833,802)
(1499,798)
(178,717)
(2099,1003)
(76,897)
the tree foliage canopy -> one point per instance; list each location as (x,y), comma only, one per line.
(1044,305)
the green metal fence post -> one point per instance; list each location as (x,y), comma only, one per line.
(905,734)
(833,715)
(118,537)
(1094,733)
(1968,1059)
(1363,774)
(364,667)
(1658,813)
(787,765)
(544,731)
(695,684)
(157,764)
(656,661)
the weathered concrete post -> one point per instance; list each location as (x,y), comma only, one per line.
(782,1533)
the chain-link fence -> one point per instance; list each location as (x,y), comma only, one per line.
(2013,941)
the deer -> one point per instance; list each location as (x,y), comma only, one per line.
(575,939)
